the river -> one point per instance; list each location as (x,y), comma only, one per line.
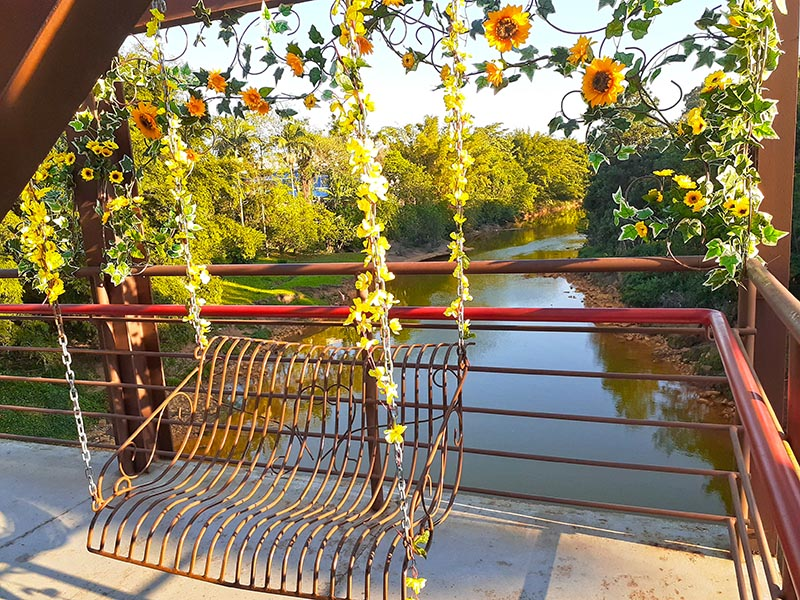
(559,238)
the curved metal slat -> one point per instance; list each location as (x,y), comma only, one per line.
(273,483)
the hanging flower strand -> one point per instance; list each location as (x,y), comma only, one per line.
(179,163)
(458,121)
(370,313)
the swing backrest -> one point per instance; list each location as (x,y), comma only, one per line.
(300,410)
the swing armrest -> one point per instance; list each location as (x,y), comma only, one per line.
(124,481)
(431,502)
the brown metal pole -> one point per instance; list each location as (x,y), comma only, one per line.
(370,399)
(52,53)
(121,335)
(776,166)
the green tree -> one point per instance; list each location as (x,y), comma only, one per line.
(558,168)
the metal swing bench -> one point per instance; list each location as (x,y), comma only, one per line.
(280,480)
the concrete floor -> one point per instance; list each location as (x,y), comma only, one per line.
(489,548)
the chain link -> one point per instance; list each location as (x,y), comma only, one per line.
(66,358)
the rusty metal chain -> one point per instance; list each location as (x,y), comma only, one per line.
(69,374)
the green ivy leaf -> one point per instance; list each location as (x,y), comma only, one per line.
(638,28)
(628,233)
(315,36)
(770,235)
(201,13)
(614,29)
(596,159)
(657,228)
(545,8)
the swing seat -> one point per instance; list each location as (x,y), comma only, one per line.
(280,479)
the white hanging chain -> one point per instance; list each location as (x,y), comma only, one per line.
(66,358)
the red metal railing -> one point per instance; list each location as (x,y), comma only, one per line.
(760,433)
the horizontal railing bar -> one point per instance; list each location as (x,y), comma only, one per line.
(54,441)
(466,409)
(600,374)
(599,463)
(628,508)
(599,419)
(666,316)
(783,303)
(476,267)
(97,352)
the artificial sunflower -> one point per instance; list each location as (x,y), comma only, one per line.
(409,60)
(715,81)
(196,107)
(145,118)
(685,182)
(581,52)
(654,195)
(641,229)
(364,45)
(216,82)
(602,81)
(729,204)
(742,208)
(310,101)
(252,98)
(263,107)
(696,121)
(494,74)
(69,158)
(115,177)
(295,64)
(507,28)
(692,198)
(87,173)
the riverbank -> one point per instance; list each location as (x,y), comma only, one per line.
(689,355)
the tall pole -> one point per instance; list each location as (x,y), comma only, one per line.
(776,166)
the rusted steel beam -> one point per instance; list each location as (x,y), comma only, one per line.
(652,264)
(121,335)
(180,12)
(60,48)
(776,167)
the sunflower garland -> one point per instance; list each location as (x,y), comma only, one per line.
(602,82)
(507,28)
(370,312)
(458,121)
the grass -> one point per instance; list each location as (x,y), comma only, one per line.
(298,289)
(249,289)
(46,395)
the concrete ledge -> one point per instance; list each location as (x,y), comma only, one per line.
(489,548)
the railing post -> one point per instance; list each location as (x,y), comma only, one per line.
(370,399)
(124,336)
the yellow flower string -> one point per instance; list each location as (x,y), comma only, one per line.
(179,165)
(370,312)
(458,121)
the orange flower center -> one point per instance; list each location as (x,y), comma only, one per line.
(506,28)
(601,82)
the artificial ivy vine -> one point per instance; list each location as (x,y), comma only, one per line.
(712,198)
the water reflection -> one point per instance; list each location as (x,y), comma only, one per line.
(637,399)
